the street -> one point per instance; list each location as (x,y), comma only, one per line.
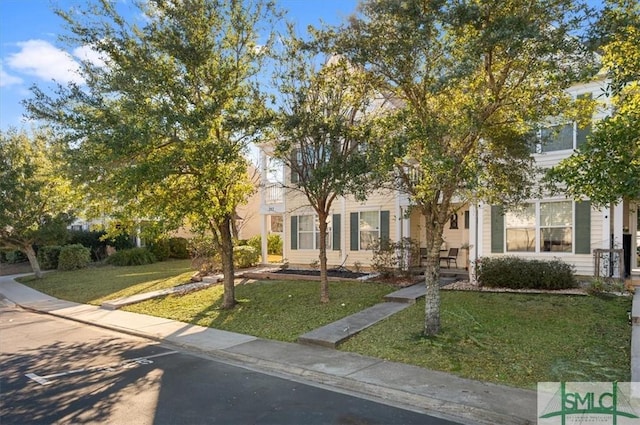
(59,371)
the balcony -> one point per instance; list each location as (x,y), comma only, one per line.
(272,198)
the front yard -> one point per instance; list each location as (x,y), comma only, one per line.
(514,339)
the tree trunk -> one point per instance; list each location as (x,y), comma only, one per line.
(432,276)
(229,297)
(324,281)
(33,259)
(432,298)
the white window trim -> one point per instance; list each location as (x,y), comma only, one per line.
(315,232)
(538,228)
(360,227)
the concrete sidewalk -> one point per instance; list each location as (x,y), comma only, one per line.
(433,392)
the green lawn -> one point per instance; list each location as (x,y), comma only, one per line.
(515,339)
(281,310)
(97,284)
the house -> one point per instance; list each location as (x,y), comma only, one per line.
(550,227)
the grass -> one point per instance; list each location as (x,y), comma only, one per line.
(97,284)
(514,339)
(281,310)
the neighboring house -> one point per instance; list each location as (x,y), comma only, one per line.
(552,227)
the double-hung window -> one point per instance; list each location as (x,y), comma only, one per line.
(369,229)
(308,232)
(540,227)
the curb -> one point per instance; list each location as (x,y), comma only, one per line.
(445,409)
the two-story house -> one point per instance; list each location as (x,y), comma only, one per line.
(550,227)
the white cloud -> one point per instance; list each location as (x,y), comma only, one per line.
(7,79)
(43,60)
(91,55)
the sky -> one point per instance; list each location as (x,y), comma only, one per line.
(30,52)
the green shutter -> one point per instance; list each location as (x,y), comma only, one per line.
(581,136)
(583,227)
(337,228)
(294,232)
(497,229)
(384,226)
(354,231)
(583,132)
(466,219)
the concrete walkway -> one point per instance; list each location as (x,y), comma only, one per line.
(437,393)
(334,333)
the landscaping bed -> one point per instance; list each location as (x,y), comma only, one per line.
(334,275)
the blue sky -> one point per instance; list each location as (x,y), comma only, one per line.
(29,52)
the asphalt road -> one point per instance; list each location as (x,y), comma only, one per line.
(59,371)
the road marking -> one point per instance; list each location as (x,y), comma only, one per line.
(125,364)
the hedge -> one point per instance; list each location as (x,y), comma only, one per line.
(519,273)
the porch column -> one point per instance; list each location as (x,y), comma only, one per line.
(475,238)
(263,238)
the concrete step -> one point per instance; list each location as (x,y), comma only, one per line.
(407,295)
(334,333)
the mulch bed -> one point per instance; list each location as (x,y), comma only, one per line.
(341,273)
(18,268)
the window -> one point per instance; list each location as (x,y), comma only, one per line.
(308,232)
(521,229)
(556,220)
(276,223)
(369,229)
(540,227)
(556,138)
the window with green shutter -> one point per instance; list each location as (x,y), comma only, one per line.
(337,228)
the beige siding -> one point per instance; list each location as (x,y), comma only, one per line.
(298,205)
(582,262)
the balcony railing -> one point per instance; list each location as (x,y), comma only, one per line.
(273,193)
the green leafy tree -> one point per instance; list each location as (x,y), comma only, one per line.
(607,167)
(34,197)
(322,131)
(474,78)
(163,120)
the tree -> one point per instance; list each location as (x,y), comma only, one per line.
(36,199)
(607,167)
(162,121)
(474,79)
(321,133)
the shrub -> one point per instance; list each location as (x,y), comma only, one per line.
(73,257)
(48,257)
(161,249)
(245,256)
(93,239)
(203,255)
(274,243)
(518,273)
(178,248)
(384,259)
(390,258)
(131,257)
(256,243)
(13,257)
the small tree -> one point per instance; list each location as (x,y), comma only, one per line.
(161,123)
(473,80)
(35,206)
(322,133)
(607,167)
